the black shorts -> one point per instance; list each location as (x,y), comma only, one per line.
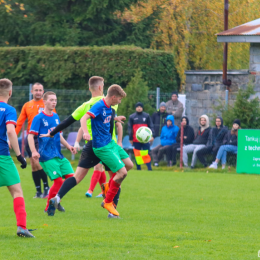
(27,147)
(88,159)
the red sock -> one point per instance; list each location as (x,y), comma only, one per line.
(103,178)
(112,177)
(20,213)
(113,189)
(54,190)
(94,180)
(68,176)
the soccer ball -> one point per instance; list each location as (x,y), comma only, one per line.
(144,134)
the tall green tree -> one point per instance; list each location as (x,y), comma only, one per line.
(137,91)
(71,23)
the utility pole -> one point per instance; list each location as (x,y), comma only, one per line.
(226,82)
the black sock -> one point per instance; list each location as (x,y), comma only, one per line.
(37,181)
(116,198)
(66,186)
(44,178)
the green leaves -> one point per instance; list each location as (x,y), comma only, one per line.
(70,67)
(246,108)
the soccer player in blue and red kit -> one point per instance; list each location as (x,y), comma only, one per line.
(50,156)
(9,175)
(111,154)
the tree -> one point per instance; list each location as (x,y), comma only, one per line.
(245,108)
(72,23)
(137,91)
(189,28)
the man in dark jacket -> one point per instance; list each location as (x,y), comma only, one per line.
(229,145)
(198,143)
(188,138)
(159,119)
(215,140)
(136,120)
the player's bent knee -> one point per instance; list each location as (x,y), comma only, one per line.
(16,190)
(129,166)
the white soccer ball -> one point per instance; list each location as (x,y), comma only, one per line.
(144,134)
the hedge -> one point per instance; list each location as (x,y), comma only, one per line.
(71,67)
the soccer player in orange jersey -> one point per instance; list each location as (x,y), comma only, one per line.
(29,111)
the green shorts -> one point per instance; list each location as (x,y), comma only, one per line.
(8,172)
(57,167)
(112,155)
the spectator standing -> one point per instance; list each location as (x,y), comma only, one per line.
(159,119)
(136,120)
(175,107)
(168,138)
(188,138)
(215,140)
(229,145)
(199,142)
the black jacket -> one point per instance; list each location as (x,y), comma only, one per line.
(159,120)
(230,138)
(202,137)
(187,131)
(216,135)
(137,120)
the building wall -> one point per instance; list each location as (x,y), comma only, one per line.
(204,90)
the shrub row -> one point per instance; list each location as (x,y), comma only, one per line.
(71,67)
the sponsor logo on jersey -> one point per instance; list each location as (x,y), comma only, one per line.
(45,122)
(107,120)
(57,121)
(104,112)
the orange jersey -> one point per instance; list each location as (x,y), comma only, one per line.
(30,110)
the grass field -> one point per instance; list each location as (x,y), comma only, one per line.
(165,214)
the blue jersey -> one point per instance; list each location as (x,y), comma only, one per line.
(48,147)
(7,116)
(100,123)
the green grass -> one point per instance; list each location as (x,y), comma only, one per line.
(165,214)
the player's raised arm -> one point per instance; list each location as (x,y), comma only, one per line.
(83,123)
(61,126)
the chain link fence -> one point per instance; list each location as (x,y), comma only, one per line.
(69,100)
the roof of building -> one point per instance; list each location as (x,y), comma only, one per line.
(250,28)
